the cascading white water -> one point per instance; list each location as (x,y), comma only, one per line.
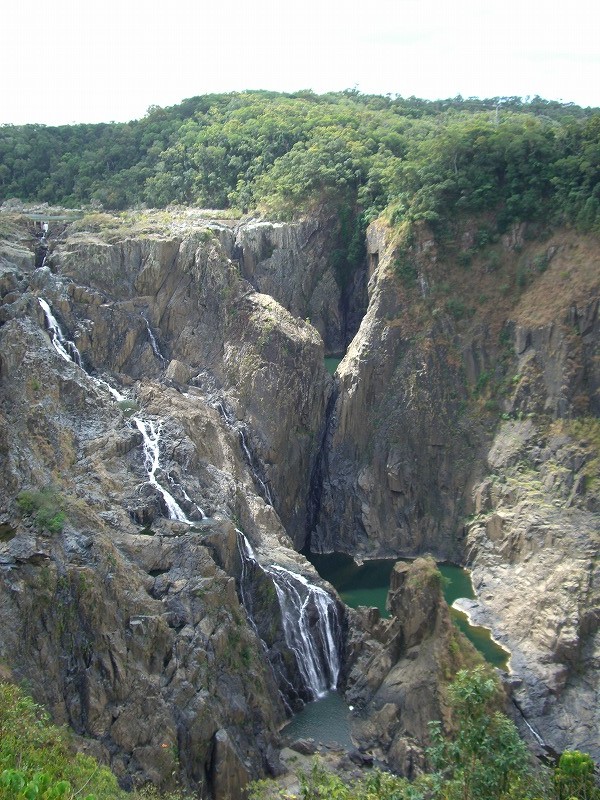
(150,433)
(68,350)
(114,392)
(152,340)
(246,557)
(151,436)
(312,642)
(310,620)
(65,348)
(266,492)
(189,499)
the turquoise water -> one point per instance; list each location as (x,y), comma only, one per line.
(325,720)
(365,585)
(368,584)
(458,584)
(331,363)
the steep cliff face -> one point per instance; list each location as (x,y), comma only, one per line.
(294,263)
(463,421)
(127,619)
(132,634)
(470,394)
(143,306)
(399,450)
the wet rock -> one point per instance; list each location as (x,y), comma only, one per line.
(360,759)
(307,747)
(228,774)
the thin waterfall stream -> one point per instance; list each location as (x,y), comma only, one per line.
(64,347)
(152,339)
(149,430)
(242,432)
(151,436)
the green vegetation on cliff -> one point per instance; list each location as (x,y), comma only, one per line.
(288,152)
(483,760)
(37,759)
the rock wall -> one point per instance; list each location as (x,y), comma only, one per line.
(472,432)
(399,443)
(214,330)
(463,421)
(398,668)
(293,262)
(128,625)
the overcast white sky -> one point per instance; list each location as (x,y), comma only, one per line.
(69,61)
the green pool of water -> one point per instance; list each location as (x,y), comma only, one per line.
(325,720)
(365,585)
(331,363)
(368,584)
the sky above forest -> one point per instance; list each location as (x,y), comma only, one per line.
(70,61)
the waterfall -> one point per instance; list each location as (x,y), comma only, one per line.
(310,621)
(251,460)
(65,348)
(152,340)
(188,498)
(42,251)
(246,557)
(241,430)
(151,437)
(150,433)
(311,627)
(530,727)
(114,392)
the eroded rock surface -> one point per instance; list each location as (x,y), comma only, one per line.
(399,667)
(129,624)
(465,425)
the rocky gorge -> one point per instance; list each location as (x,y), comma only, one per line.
(462,422)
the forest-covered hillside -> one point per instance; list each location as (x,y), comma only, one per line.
(359,153)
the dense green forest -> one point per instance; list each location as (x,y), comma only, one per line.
(283,153)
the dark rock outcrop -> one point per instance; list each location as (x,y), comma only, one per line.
(398,668)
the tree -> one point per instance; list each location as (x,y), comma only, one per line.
(486,760)
(574,777)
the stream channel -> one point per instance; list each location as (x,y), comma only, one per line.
(326,720)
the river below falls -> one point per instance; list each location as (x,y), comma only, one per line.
(368,584)
(327,720)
